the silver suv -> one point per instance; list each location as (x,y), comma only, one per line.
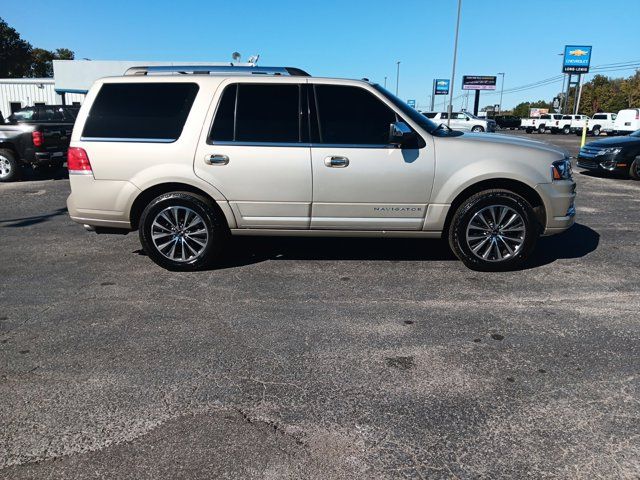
(190,161)
(463,121)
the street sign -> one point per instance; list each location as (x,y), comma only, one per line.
(478,82)
(577,59)
(411,103)
(441,86)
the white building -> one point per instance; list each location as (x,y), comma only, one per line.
(16,93)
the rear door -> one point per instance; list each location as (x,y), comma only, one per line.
(257,153)
(360,182)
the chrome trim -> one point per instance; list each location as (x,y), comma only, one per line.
(301,144)
(80,172)
(335,233)
(128,140)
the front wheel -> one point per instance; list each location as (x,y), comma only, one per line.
(493,230)
(634,170)
(596,131)
(182,231)
(477,129)
(566,130)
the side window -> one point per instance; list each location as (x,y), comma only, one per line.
(258,113)
(154,112)
(352,115)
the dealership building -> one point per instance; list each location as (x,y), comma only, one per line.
(71,81)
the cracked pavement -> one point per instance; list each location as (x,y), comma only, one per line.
(319,358)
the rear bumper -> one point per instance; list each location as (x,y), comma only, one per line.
(559,202)
(35,157)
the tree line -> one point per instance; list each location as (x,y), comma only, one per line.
(600,94)
(18,58)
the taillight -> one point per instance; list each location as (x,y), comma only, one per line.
(37,138)
(78,161)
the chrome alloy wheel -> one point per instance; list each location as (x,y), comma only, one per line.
(179,234)
(5,167)
(496,233)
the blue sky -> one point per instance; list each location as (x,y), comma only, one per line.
(351,39)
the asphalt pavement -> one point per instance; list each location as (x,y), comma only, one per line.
(319,358)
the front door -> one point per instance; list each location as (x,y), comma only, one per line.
(255,156)
(360,182)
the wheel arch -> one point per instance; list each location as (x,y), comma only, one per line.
(515,186)
(147,195)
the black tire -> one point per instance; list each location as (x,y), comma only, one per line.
(566,130)
(9,167)
(477,129)
(529,130)
(211,221)
(542,129)
(634,169)
(595,131)
(479,204)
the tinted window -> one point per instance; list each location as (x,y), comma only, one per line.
(154,111)
(566,117)
(599,117)
(22,115)
(545,117)
(263,113)
(50,114)
(351,115)
(430,114)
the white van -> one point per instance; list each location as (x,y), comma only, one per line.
(627,121)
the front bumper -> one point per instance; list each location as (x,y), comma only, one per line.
(604,163)
(559,202)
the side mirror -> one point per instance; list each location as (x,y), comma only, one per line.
(468,119)
(400,133)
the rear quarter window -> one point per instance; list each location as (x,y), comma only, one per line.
(153,112)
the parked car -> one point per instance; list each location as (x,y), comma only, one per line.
(36,136)
(463,121)
(566,123)
(542,124)
(599,123)
(510,122)
(619,155)
(627,121)
(192,161)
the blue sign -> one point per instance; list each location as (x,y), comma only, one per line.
(411,103)
(441,86)
(576,59)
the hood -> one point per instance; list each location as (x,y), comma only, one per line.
(513,141)
(615,142)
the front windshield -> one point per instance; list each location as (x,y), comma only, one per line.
(410,112)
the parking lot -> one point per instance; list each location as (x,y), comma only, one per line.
(319,358)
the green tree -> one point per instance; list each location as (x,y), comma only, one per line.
(42,61)
(15,53)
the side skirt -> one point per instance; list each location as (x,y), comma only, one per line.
(333,233)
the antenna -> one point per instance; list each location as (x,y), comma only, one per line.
(236,56)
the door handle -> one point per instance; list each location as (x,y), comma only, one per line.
(336,162)
(216,159)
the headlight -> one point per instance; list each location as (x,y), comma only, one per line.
(610,151)
(561,170)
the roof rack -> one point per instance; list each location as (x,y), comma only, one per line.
(214,70)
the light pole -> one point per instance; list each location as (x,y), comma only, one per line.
(397,76)
(453,71)
(501,90)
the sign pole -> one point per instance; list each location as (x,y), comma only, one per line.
(580,77)
(476,103)
(433,94)
(453,70)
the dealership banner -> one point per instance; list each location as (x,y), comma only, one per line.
(478,82)
(441,86)
(577,59)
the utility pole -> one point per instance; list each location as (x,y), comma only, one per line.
(501,90)
(397,77)
(453,70)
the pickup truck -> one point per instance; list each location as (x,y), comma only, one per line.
(599,123)
(545,123)
(567,122)
(35,136)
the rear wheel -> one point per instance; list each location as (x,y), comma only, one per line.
(542,129)
(634,170)
(182,231)
(566,130)
(9,167)
(493,230)
(596,131)
(477,129)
